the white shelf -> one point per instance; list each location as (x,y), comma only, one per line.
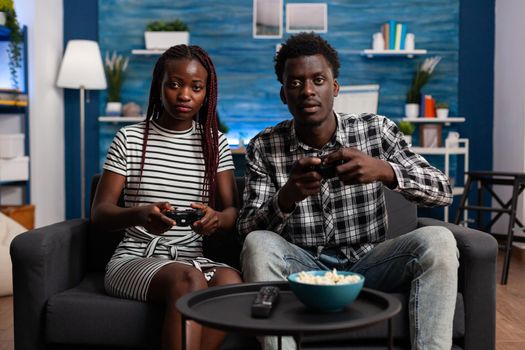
(435,120)
(147,52)
(408,53)
(119,119)
(440,150)
(457,191)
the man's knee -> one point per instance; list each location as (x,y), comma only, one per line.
(262,256)
(261,243)
(439,246)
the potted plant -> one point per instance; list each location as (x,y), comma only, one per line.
(421,77)
(15,39)
(161,35)
(115,68)
(407,128)
(442,110)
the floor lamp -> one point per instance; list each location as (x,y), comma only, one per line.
(82,68)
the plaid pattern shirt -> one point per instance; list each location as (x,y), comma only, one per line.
(357,211)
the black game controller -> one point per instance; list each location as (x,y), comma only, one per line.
(327,171)
(185,217)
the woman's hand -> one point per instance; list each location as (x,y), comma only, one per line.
(209,223)
(152,218)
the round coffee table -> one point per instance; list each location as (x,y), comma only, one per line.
(229,308)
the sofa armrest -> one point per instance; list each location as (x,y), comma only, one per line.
(46,260)
(476,281)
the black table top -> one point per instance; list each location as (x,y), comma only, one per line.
(228,308)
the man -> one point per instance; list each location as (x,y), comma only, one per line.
(293,219)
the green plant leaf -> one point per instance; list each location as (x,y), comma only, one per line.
(406,127)
(15,40)
(167,26)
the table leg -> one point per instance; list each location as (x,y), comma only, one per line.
(279,343)
(297,339)
(390,335)
(183,332)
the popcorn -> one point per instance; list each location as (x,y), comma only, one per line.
(329,278)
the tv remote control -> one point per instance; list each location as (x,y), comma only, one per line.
(264,301)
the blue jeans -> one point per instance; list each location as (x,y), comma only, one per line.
(424,262)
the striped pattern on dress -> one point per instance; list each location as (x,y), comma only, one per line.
(173,172)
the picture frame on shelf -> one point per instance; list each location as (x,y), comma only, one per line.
(267,19)
(430,135)
(307,17)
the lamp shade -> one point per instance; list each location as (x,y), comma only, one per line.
(82,66)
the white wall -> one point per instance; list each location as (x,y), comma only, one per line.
(509,91)
(44,20)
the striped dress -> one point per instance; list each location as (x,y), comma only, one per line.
(173,172)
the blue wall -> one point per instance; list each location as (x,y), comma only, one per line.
(248,90)
(80,22)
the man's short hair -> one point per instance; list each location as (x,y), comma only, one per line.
(305,44)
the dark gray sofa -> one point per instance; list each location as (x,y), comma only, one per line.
(60,303)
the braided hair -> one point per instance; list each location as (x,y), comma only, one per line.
(207,115)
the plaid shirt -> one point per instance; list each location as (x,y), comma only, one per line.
(358,211)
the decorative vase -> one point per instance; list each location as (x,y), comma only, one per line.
(411,110)
(378,42)
(410,42)
(442,113)
(114,108)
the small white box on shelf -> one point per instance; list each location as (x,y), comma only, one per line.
(14,169)
(11,145)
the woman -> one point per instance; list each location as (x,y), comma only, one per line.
(176,158)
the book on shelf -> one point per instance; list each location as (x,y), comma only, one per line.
(13,103)
(403,36)
(11,97)
(392,39)
(394,34)
(385,29)
(428,106)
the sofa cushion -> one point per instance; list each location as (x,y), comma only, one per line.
(402,214)
(87,315)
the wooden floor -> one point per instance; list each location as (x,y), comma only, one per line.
(510,311)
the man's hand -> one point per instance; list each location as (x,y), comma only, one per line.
(360,168)
(152,219)
(302,182)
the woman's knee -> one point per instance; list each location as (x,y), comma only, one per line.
(225,275)
(174,281)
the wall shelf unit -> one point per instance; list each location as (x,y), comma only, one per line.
(452,147)
(408,53)
(14,122)
(457,146)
